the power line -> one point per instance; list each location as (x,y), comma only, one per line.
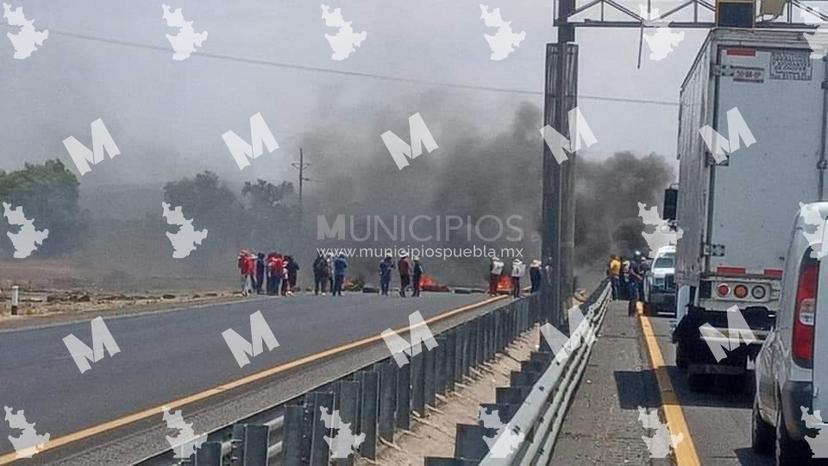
(259,61)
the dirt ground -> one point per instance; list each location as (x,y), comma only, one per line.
(434,435)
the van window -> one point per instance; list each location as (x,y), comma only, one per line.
(664,262)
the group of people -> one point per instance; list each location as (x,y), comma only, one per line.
(627,276)
(329,273)
(411,274)
(496,270)
(273,274)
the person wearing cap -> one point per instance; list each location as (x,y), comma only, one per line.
(417,276)
(404,267)
(535,275)
(518,270)
(495,269)
(385,267)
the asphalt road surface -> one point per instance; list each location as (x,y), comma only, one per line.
(719,419)
(168,355)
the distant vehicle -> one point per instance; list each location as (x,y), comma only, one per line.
(792,367)
(733,242)
(659,284)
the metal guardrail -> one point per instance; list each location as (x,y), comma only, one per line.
(375,400)
(531,411)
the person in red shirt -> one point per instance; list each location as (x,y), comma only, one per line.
(275,270)
(247,268)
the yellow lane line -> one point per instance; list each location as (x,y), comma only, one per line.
(303,361)
(685,451)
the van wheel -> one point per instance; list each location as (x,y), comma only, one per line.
(699,382)
(762,433)
(788,452)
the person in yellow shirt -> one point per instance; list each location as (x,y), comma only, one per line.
(614,272)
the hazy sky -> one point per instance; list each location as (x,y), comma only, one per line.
(167,116)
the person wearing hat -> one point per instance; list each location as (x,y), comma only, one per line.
(495,269)
(404,267)
(518,270)
(535,275)
(385,268)
(417,276)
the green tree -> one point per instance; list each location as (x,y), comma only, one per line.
(200,196)
(48,193)
(264,195)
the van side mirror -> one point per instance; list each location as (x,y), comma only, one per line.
(668,211)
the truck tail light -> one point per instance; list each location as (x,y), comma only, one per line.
(723,290)
(805,313)
(740,291)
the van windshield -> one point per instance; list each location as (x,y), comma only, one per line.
(664,262)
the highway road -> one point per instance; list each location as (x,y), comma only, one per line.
(168,355)
(718,419)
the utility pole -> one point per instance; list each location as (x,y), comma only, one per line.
(301,166)
(558,203)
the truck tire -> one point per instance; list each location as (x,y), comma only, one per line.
(788,451)
(681,356)
(699,382)
(761,433)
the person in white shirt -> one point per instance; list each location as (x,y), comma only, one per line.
(518,270)
(495,269)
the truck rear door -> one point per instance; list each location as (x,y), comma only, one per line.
(778,94)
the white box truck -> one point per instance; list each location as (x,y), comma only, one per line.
(765,96)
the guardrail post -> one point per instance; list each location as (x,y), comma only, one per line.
(255,445)
(296,439)
(404,397)
(428,380)
(451,359)
(322,405)
(469,443)
(348,404)
(15,299)
(440,360)
(478,339)
(462,352)
(387,399)
(368,414)
(208,455)
(237,444)
(417,363)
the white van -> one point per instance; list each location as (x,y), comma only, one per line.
(792,366)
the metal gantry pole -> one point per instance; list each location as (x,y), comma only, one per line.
(558,202)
